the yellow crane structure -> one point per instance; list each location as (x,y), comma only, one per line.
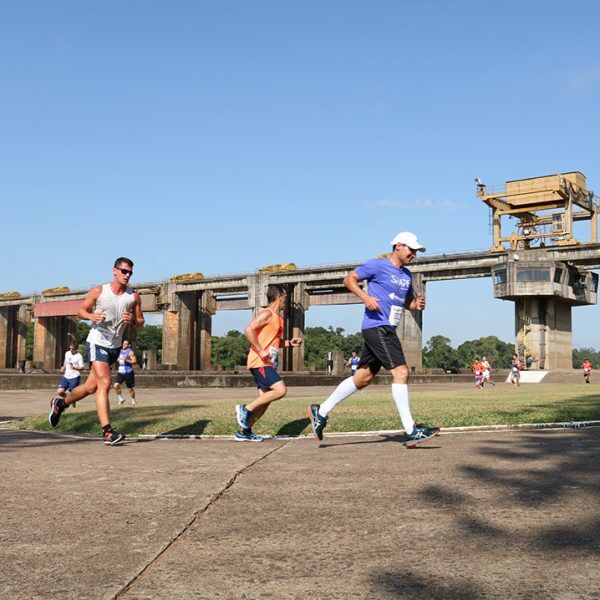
(545,208)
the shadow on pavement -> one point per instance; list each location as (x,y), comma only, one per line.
(533,478)
(404,584)
(195,428)
(20,439)
(400,438)
(294,428)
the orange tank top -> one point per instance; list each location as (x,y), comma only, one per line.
(269,336)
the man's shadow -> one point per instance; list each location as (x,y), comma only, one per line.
(398,438)
(293,428)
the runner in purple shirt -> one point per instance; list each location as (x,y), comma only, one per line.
(388,294)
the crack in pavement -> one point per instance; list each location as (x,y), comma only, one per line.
(197,513)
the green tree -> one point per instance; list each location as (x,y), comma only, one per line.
(149,337)
(230,350)
(318,341)
(29,341)
(499,353)
(83,328)
(439,354)
(580,354)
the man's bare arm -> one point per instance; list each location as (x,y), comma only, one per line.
(88,304)
(417,303)
(351,281)
(251,330)
(135,317)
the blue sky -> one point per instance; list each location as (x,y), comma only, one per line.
(224,136)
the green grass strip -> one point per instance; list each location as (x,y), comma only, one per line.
(454,407)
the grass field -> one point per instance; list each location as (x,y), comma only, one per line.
(453,407)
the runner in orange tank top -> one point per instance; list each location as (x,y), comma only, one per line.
(265,334)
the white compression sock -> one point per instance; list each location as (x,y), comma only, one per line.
(400,394)
(341,392)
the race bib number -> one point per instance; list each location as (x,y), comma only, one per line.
(273,354)
(395,314)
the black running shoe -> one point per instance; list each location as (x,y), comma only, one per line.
(113,437)
(57,407)
(420,434)
(316,420)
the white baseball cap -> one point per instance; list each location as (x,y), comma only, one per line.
(408,239)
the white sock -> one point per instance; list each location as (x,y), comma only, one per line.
(120,398)
(400,394)
(341,392)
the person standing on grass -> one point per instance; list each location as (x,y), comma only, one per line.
(390,291)
(111,308)
(265,334)
(515,372)
(587,370)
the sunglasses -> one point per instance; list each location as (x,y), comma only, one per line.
(126,272)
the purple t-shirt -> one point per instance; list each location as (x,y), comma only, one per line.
(391,286)
(125,367)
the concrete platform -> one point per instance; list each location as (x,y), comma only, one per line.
(10,380)
(485,515)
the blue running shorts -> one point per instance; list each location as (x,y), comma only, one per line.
(265,377)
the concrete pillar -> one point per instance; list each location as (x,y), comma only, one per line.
(170,338)
(338,363)
(23,319)
(45,354)
(207,307)
(257,292)
(544,332)
(51,339)
(294,323)
(151,360)
(179,331)
(410,331)
(13,335)
(6,313)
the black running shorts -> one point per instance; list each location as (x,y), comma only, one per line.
(128,378)
(382,349)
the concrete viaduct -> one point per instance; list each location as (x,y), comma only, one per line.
(544,283)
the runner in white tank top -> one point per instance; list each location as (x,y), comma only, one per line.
(109,333)
(110,307)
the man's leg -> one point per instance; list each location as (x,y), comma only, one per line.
(258,407)
(361,379)
(101,372)
(318,413)
(415,434)
(119,393)
(84,390)
(132,394)
(400,394)
(61,392)
(59,404)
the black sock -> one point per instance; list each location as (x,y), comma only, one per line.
(106,429)
(62,404)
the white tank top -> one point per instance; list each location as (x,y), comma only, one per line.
(109,333)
